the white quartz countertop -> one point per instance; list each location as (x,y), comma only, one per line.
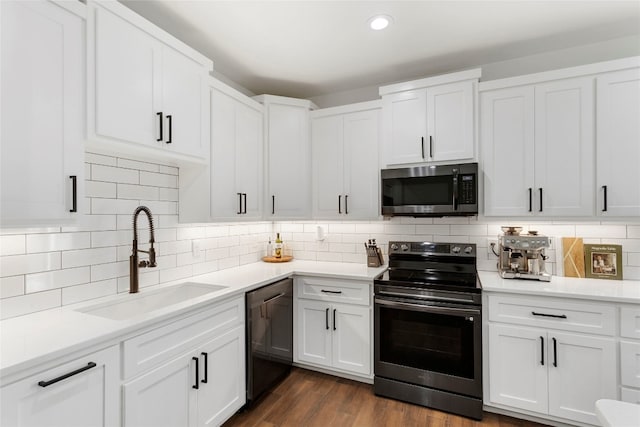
(623,291)
(33,339)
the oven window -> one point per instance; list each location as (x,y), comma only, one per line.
(433,342)
(431,190)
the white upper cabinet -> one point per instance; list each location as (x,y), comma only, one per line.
(288,160)
(42,119)
(236,155)
(618,143)
(430,120)
(148,92)
(344,142)
(537,149)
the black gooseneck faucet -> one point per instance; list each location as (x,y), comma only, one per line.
(133,259)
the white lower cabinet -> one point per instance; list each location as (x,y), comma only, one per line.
(79,393)
(332,325)
(545,370)
(630,353)
(190,372)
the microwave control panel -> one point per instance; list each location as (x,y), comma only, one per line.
(467,189)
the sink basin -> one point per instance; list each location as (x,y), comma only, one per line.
(146,302)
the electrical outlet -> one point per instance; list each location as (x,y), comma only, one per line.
(490,249)
(195,248)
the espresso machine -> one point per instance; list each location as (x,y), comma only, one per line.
(521,256)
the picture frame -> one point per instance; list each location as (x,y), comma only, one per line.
(603,261)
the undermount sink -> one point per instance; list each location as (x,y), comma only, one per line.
(146,302)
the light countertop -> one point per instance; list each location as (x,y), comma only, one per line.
(622,291)
(33,339)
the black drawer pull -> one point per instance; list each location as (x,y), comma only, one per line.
(74,193)
(239,203)
(65,376)
(326,318)
(530,200)
(339,203)
(346,204)
(160,122)
(330,292)
(273,205)
(334,319)
(196,384)
(557,316)
(604,208)
(206,369)
(555,353)
(169,118)
(540,191)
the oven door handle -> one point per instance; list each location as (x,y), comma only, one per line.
(429,308)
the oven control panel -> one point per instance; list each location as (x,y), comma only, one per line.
(424,248)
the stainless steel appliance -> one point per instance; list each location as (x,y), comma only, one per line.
(269,336)
(428,327)
(521,256)
(437,190)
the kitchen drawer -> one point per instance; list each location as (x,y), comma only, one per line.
(630,322)
(630,363)
(554,313)
(335,290)
(159,345)
(630,395)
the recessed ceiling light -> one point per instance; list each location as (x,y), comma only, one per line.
(380,22)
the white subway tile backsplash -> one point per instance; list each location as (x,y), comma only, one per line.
(11,286)
(74,294)
(633,259)
(101,239)
(168,194)
(177,273)
(93,223)
(100,159)
(86,257)
(633,231)
(134,164)
(113,206)
(161,207)
(58,242)
(114,174)
(169,170)
(13,245)
(137,192)
(158,179)
(602,231)
(435,229)
(109,271)
(105,190)
(30,303)
(38,282)
(14,265)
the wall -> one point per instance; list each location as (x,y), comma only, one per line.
(42,268)
(562,58)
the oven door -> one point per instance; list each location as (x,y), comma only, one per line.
(433,344)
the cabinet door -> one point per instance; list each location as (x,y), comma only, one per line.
(450,121)
(249,159)
(361,171)
(617,148)
(42,112)
(127,62)
(405,123)
(88,398)
(313,336)
(184,97)
(224,391)
(162,397)
(582,369)
(225,203)
(630,363)
(351,341)
(518,367)
(564,148)
(327,135)
(506,135)
(289,194)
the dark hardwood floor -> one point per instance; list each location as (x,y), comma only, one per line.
(307,398)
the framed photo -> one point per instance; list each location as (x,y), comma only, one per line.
(603,261)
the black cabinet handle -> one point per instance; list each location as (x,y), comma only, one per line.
(160,123)
(431,146)
(555,353)
(542,351)
(326,318)
(530,199)
(346,204)
(604,207)
(330,292)
(334,319)
(273,205)
(239,203)
(339,203)
(67,375)
(557,316)
(244,196)
(422,144)
(196,385)
(540,191)
(206,368)
(74,193)
(170,129)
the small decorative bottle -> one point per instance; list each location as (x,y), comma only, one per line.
(278,247)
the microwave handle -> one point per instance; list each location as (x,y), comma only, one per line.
(455,190)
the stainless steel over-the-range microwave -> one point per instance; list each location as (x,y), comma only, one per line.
(437,190)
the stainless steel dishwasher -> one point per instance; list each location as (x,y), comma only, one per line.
(269,336)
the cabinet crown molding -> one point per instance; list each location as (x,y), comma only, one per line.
(474,73)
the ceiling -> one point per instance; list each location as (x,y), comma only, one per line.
(308,48)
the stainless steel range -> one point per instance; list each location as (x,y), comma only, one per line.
(428,327)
